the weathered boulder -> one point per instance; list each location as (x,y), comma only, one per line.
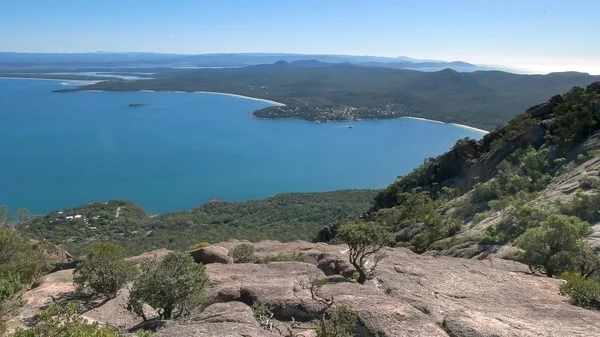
(410,295)
(408,232)
(211,254)
(116,311)
(334,265)
(149,256)
(326,234)
(53,288)
(232,319)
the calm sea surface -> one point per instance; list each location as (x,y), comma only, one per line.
(59,150)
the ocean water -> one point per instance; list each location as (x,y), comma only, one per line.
(59,150)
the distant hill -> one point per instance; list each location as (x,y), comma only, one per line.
(284,217)
(319,91)
(102,59)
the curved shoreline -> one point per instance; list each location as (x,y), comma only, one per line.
(198,92)
(455,124)
(378,119)
(241,96)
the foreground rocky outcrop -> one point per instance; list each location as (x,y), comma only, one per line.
(411,295)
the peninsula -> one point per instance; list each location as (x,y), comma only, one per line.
(317,91)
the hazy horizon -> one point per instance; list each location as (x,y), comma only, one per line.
(536,36)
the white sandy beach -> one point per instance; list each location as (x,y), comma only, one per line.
(469,127)
(212,93)
(424,119)
(455,124)
(241,96)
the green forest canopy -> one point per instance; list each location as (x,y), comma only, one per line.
(283,217)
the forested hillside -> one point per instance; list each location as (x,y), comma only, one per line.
(485,99)
(284,217)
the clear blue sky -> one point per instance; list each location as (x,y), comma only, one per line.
(547,34)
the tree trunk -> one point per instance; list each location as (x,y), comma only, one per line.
(362,277)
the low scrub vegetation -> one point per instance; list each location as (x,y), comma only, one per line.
(22,264)
(174,286)
(582,292)
(243,253)
(104,271)
(283,217)
(199,245)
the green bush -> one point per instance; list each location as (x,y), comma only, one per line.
(20,257)
(104,270)
(477,218)
(587,261)
(583,205)
(11,298)
(243,253)
(199,245)
(555,245)
(173,286)
(517,219)
(589,182)
(582,292)
(436,228)
(340,323)
(284,258)
(261,310)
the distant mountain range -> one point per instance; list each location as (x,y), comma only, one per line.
(10,60)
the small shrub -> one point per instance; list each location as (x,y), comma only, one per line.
(478,218)
(340,323)
(582,292)
(261,309)
(583,205)
(589,182)
(19,257)
(10,298)
(199,245)
(284,258)
(104,271)
(173,286)
(243,253)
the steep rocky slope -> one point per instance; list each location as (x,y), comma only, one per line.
(411,295)
(478,197)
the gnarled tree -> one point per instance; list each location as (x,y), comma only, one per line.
(364,240)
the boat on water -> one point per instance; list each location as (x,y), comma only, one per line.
(350,126)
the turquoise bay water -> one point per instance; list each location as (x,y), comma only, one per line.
(59,150)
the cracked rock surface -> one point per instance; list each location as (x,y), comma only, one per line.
(410,295)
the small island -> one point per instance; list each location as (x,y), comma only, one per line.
(137,105)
